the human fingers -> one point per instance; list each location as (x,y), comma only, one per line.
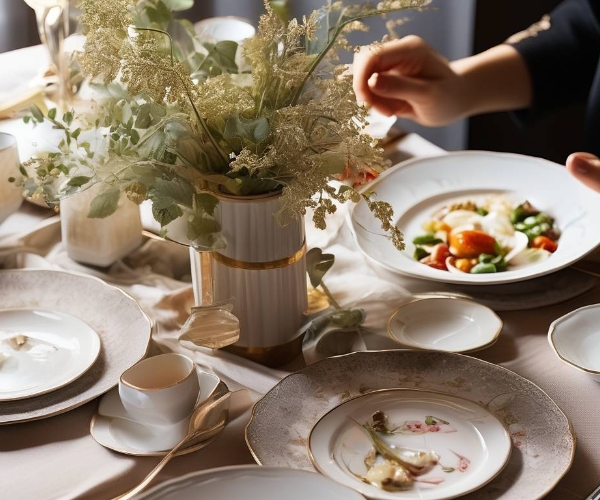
(394,86)
(586,168)
(389,107)
(409,55)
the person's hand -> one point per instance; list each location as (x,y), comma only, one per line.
(407,78)
(586,168)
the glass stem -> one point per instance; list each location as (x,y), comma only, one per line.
(53,26)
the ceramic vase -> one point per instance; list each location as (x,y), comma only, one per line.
(262,271)
(99,242)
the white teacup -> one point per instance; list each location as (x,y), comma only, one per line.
(11,196)
(160,390)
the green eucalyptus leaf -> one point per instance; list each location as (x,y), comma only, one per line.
(36,112)
(206,203)
(205,232)
(240,132)
(219,59)
(152,145)
(104,204)
(143,118)
(78,180)
(179,190)
(164,215)
(317,265)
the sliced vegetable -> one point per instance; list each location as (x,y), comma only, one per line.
(468,244)
(544,243)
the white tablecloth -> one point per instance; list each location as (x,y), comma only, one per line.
(56,458)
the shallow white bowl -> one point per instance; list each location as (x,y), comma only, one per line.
(419,186)
(575,338)
(445,324)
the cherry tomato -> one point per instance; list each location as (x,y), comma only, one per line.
(544,243)
(437,257)
(440,252)
(469,244)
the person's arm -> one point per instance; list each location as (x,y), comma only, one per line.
(495,80)
(561,53)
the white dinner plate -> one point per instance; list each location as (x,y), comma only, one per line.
(41,351)
(113,428)
(124,331)
(250,482)
(418,187)
(445,324)
(472,445)
(542,437)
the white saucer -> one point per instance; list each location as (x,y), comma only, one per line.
(445,324)
(114,428)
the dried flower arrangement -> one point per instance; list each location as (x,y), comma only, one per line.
(177,120)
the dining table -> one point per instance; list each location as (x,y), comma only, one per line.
(57,457)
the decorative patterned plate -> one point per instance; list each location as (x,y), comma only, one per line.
(460,444)
(124,331)
(543,441)
(416,188)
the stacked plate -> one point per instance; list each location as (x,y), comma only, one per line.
(65,339)
(461,426)
(419,188)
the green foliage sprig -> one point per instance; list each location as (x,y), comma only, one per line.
(178,120)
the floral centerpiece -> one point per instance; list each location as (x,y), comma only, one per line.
(180,120)
(238,142)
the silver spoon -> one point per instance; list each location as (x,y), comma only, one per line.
(197,430)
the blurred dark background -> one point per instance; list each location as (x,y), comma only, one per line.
(455,28)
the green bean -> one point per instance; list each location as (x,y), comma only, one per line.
(482,268)
(420,253)
(427,239)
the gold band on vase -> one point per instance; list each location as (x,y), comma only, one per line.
(259,266)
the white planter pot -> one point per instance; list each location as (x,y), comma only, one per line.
(99,242)
(263,271)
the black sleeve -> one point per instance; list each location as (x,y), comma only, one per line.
(561,53)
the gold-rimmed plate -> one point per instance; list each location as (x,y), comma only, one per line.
(542,438)
(459,445)
(41,351)
(123,327)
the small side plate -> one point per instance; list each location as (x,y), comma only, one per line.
(445,324)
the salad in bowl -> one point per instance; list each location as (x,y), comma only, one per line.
(487,234)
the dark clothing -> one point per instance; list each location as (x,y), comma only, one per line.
(564,63)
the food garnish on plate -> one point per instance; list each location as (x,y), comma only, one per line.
(487,235)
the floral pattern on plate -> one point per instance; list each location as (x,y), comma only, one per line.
(543,441)
(381,445)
